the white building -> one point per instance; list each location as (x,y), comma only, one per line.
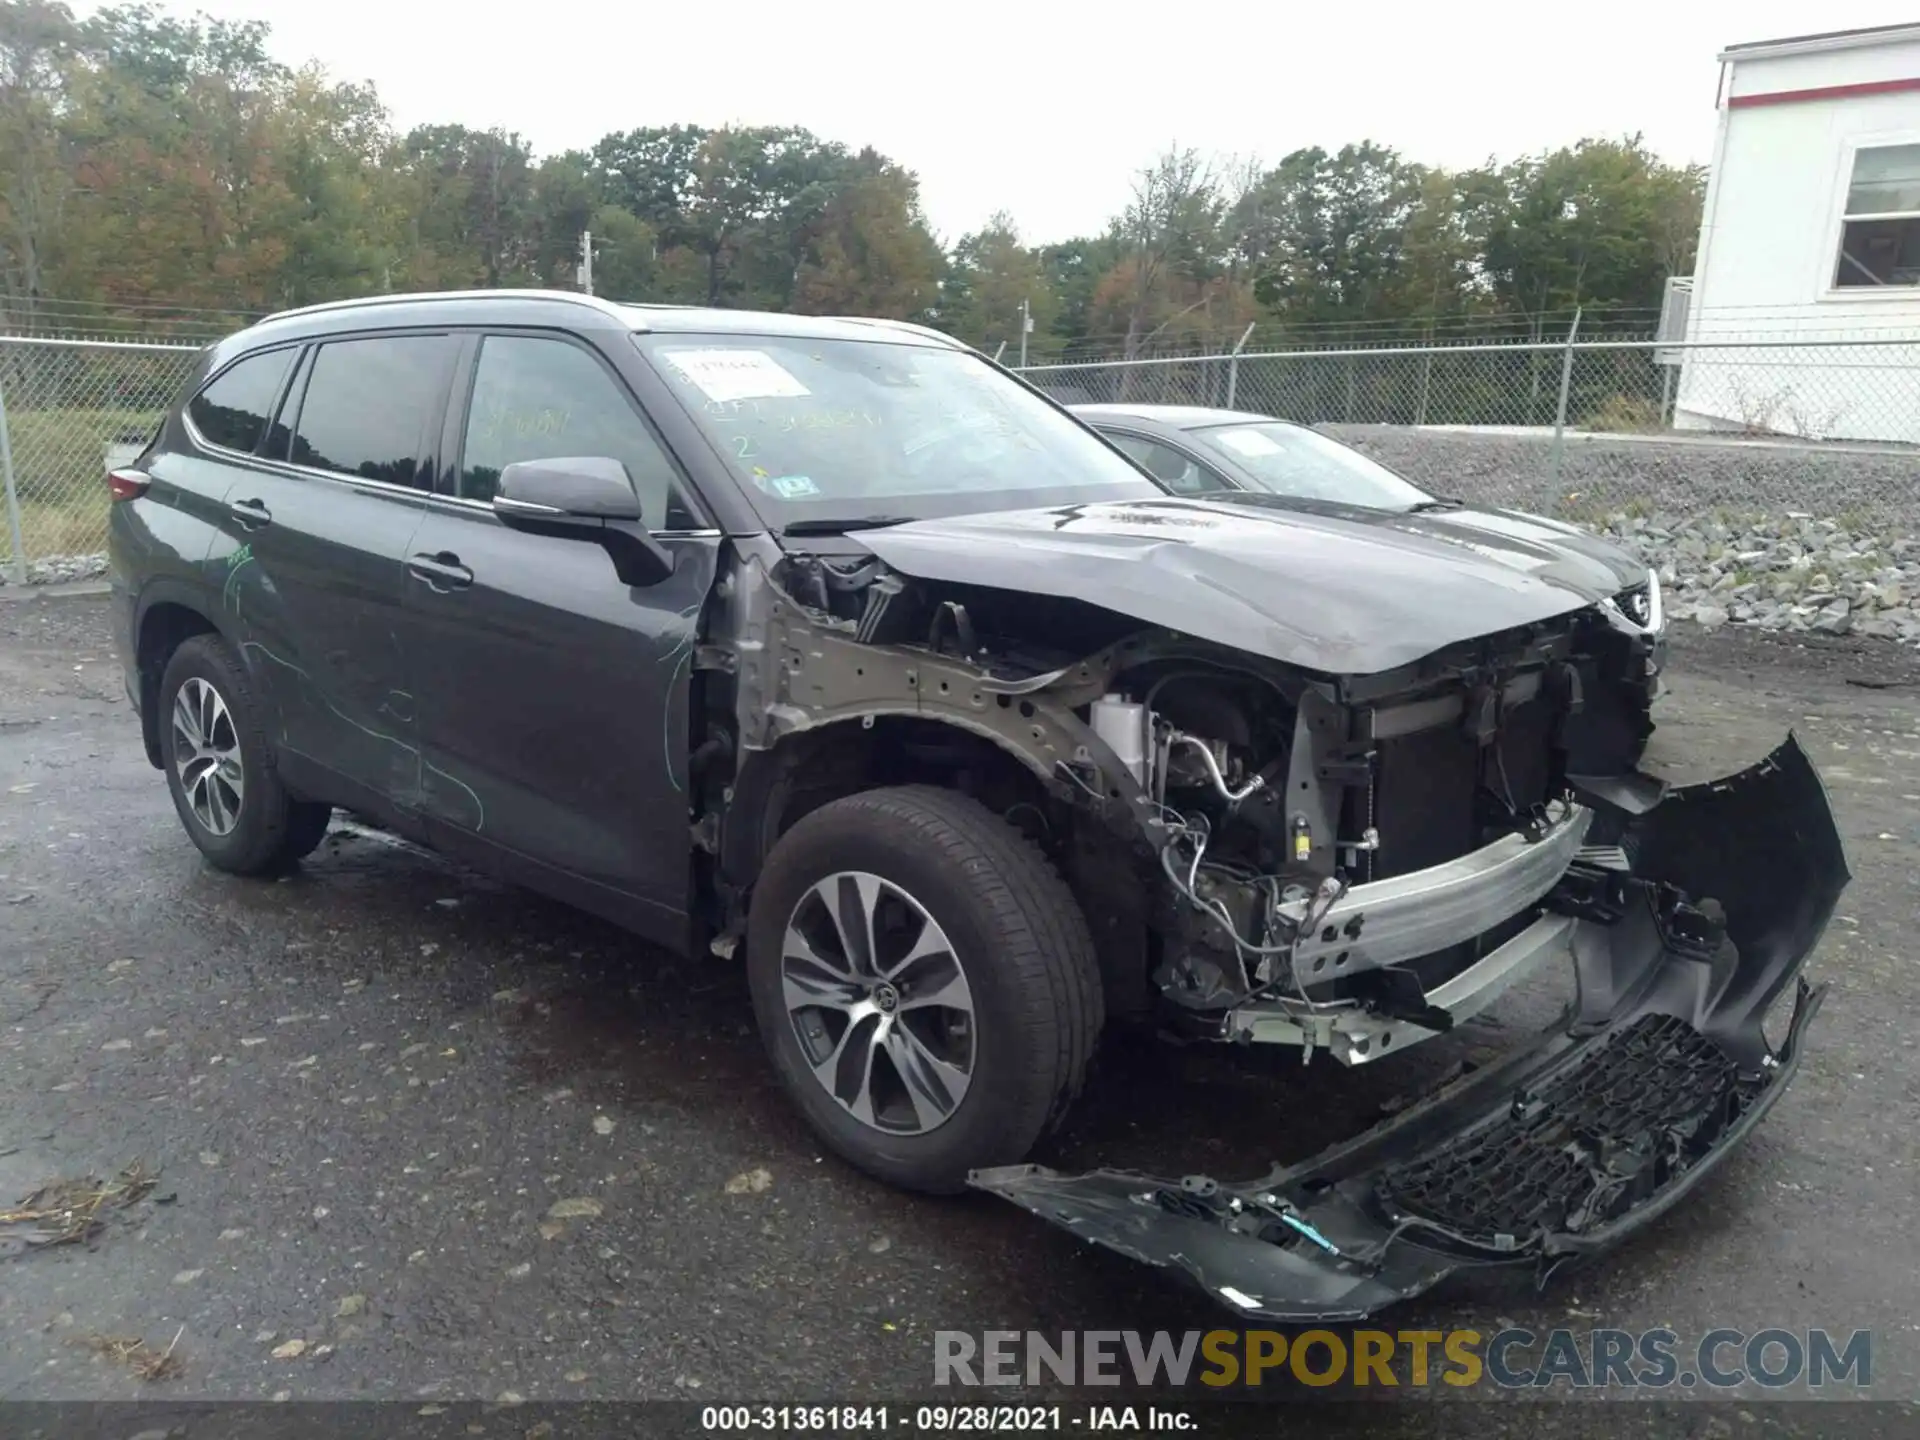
(1811,232)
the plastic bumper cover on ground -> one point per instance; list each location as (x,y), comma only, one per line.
(1563,1148)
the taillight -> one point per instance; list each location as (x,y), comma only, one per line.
(128,484)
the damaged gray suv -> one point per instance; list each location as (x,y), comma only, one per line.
(829,648)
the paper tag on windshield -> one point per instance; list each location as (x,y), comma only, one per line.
(725,375)
(1248,442)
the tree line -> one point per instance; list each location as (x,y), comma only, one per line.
(171,172)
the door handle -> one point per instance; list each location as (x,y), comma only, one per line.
(252,514)
(440,572)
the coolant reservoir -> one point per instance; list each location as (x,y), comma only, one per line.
(1122,723)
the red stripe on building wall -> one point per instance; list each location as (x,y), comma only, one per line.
(1824,92)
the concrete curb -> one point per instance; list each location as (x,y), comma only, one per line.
(65,590)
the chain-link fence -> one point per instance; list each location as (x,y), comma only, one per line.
(1764,425)
(68,410)
(1857,389)
(1826,426)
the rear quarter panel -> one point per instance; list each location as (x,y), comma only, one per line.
(158,549)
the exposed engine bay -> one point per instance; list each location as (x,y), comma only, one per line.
(1270,812)
(1288,818)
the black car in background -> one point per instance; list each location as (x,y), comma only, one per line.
(829,648)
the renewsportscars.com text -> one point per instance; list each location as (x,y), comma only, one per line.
(1510,1359)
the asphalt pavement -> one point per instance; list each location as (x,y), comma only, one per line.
(419,1136)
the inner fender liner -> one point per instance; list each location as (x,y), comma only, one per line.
(1562,1148)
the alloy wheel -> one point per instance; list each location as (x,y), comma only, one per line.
(206,750)
(879,1003)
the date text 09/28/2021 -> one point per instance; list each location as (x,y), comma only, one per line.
(944,1419)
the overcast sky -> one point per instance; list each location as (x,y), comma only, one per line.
(1048,110)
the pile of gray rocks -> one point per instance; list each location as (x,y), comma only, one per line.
(58,569)
(1793,572)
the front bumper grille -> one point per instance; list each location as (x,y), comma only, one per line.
(1584,1146)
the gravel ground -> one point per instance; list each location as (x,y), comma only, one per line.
(1872,487)
(58,569)
(421,1137)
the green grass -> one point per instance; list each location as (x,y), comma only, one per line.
(49,530)
(59,470)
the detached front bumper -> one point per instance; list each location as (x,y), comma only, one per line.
(1564,1148)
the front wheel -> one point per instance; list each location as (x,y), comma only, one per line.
(925,984)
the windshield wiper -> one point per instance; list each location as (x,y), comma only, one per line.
(1419,507)
(829,525)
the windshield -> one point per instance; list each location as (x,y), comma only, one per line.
(1293,460)
(822,431)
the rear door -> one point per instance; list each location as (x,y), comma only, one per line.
(312,566)
(553,701)
(161,541)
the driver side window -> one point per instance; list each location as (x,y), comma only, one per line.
(1169,466)
(541,399)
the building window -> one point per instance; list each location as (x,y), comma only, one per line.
(1880,237)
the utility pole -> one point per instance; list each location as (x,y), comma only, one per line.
(1026,329)
(586,261)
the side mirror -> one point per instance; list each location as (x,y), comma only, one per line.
(587,497)
(588,486)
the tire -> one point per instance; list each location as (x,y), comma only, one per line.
(1013,932)
(254,827)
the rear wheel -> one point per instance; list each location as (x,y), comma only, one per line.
(925,984)
(220,767)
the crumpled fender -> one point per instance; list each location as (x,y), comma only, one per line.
(1560,1150)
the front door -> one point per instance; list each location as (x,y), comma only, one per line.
(311,563)
(553,701)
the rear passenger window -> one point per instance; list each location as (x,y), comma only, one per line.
(536,399)
(367,403)
(232,412)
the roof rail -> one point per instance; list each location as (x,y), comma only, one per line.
(593,302)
